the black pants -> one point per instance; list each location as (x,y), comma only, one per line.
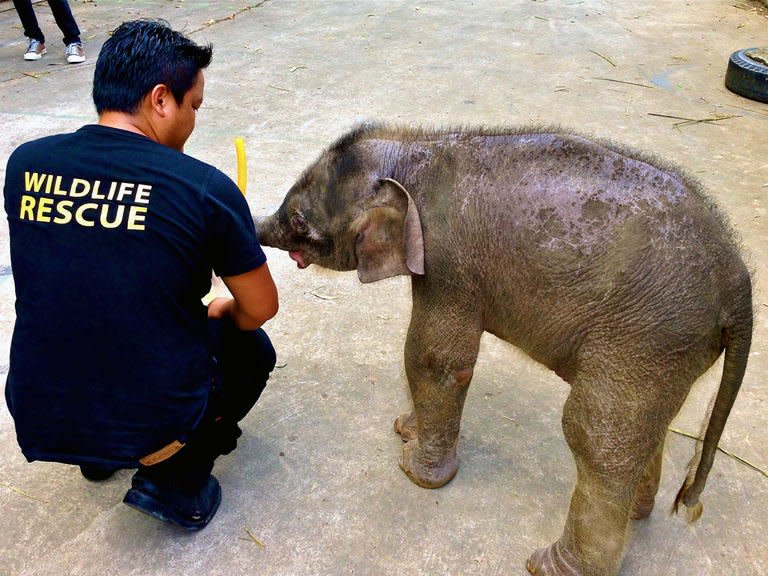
(243,363)
(61,13)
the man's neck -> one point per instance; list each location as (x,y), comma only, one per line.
(130,122)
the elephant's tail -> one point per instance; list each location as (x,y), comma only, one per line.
(737,339)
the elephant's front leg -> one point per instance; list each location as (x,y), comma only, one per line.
(440,354)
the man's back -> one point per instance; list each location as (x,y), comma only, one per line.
(113,238)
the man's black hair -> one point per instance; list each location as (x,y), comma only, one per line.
(139,55)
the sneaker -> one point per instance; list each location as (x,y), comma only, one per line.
(96,473)
(189,512)
(35,50)
(75,53)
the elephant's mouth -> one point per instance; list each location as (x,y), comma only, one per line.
(298,257)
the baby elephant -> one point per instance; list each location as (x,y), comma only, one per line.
(607,266)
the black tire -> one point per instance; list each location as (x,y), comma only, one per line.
(747,76)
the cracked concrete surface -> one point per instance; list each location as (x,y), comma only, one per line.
(314,487)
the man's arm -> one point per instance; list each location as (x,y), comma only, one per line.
(254,299)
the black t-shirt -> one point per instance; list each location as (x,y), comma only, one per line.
(113,238)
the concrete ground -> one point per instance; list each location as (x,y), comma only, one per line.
(314,488)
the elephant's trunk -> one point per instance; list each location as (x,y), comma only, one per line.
(269,231)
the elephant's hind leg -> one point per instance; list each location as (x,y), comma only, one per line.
(615,434)
(645,496)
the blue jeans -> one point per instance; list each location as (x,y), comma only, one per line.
(243,363)
(61,13)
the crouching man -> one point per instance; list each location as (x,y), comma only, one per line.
(114,231)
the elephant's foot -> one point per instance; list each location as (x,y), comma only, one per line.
(405,425)
(428,468)
(554,561)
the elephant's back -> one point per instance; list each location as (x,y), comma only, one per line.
(549,227)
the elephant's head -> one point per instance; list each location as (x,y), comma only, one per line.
(344,214)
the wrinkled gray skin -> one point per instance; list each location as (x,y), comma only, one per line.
(607,267)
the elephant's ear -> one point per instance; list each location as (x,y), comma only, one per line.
(389,240)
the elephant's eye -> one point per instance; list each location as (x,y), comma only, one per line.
(299,223)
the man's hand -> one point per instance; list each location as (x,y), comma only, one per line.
(219,307)
(254,299)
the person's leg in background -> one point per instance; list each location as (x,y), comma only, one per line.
(62,13)
(32,31)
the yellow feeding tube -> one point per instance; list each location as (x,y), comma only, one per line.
(218,288)
(242,165)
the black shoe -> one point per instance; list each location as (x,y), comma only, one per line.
(96,473)
(189,512)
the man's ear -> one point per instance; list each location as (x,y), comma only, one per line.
(389,239)
(159,99)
